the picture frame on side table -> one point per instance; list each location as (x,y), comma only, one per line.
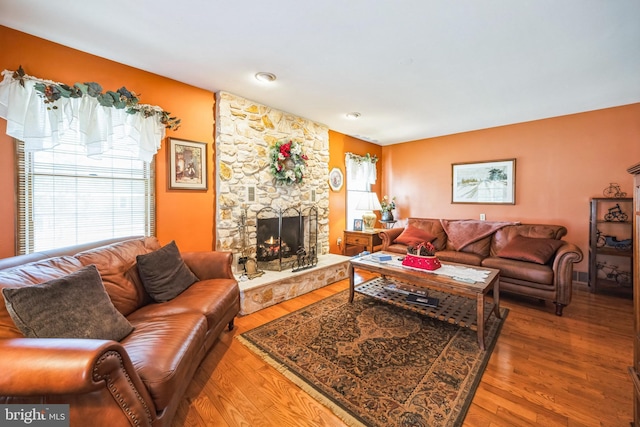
(357,225)
(187,165)
(490,182)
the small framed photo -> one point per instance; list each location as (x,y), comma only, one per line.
(187,165)
(336,179)
(357,225)
(492,182)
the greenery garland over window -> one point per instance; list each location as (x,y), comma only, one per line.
(120,99)
(360,159)
(288,162)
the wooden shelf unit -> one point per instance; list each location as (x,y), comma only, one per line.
(616,257)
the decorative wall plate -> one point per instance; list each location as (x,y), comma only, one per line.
(336,179)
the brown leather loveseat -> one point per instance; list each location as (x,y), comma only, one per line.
(137,380)
(532,259)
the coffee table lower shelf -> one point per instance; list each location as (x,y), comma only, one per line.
(453,309)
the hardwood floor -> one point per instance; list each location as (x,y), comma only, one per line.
(544,371)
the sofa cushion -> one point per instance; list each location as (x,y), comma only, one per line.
(27,275)
(460,257)
(433,227)
(164,274)
(413,236)
(543,231)
(530,249)
(166,349)
(524,272)
(116,264)
(73,306)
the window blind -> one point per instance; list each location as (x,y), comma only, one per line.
(66,198)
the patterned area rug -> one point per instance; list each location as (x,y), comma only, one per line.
(375,364)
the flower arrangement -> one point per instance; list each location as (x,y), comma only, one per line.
(423,249)
(387,205)
(288,162)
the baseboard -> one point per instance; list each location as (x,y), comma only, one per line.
(581,276)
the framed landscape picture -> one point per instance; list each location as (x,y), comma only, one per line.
(187,165)
(492,182)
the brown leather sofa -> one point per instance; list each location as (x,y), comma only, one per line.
(140,380)
(550,280)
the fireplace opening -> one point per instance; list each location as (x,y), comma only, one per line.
(286,238)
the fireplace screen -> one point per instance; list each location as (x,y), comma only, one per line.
(286,238)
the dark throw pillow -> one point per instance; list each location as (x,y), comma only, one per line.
(73,306)
(164,274)
(530,249)
(413,236)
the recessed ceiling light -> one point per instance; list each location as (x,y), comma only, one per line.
(353,115)
(265,77)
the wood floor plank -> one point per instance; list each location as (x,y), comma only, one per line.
(545,370)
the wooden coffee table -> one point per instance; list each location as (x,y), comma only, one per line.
(461,302)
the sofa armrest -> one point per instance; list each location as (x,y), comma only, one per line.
(567,255)
(210,264)
(76,371)
(388,236)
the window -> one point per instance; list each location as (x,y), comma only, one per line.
(360,174)
(357,187)
(66,198)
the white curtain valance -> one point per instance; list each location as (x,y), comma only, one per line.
(98,128)
(362,168)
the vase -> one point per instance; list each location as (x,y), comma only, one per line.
(387,216)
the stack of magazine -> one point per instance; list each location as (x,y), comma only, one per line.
(414,294)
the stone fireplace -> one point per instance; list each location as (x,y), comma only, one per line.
(245,131)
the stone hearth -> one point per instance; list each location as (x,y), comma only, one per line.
(274,287)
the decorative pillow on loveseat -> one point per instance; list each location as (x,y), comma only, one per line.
(413,236)
(73,306)
(164,273)
(530,249)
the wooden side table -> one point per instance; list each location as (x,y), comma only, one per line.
(367,238)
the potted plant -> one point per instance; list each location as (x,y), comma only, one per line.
(386,206)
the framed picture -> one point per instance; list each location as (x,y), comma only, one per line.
(336,179)
(357,225)
(187,165)
(492,182)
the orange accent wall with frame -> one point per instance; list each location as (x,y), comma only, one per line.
(177,211)
(561,163)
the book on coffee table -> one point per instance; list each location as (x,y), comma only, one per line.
(423,300)
(405,289)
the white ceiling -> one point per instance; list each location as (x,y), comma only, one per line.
(413,68)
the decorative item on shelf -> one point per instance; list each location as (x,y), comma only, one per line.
(614,191)
(288,162)
(387,206)
(423,256)
(369,203)
(613,273)
(616,214)
(621,245)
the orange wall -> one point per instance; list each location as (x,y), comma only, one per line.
(339,144)
(184,216)
(560,164)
